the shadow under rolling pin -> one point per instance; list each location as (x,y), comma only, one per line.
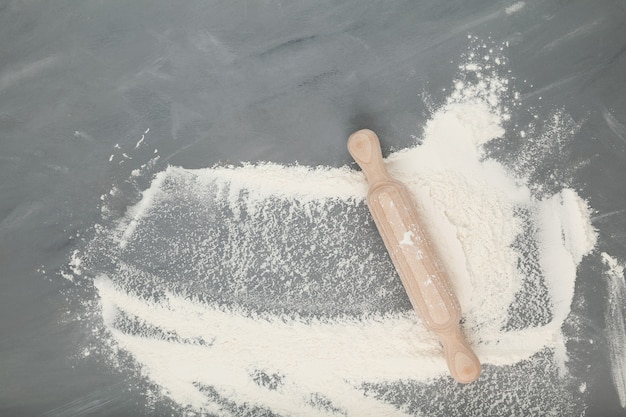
(413,256)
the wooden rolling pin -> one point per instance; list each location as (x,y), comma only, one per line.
(413,255)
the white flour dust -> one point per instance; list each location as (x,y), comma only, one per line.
(266,290)
(615,316)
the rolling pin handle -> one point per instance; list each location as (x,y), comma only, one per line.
(364,147)
(461,359)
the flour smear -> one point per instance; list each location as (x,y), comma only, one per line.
(264,289)
(615,318)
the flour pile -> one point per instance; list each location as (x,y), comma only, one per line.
(265,289)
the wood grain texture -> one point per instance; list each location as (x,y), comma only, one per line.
(413,256)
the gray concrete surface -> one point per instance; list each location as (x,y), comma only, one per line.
(266,80)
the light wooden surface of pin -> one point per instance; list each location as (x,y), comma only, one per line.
(414,256)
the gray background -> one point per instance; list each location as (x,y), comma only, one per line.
(266,80)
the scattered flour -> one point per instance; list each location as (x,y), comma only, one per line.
(515,7)
(266,289)
(615,316)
